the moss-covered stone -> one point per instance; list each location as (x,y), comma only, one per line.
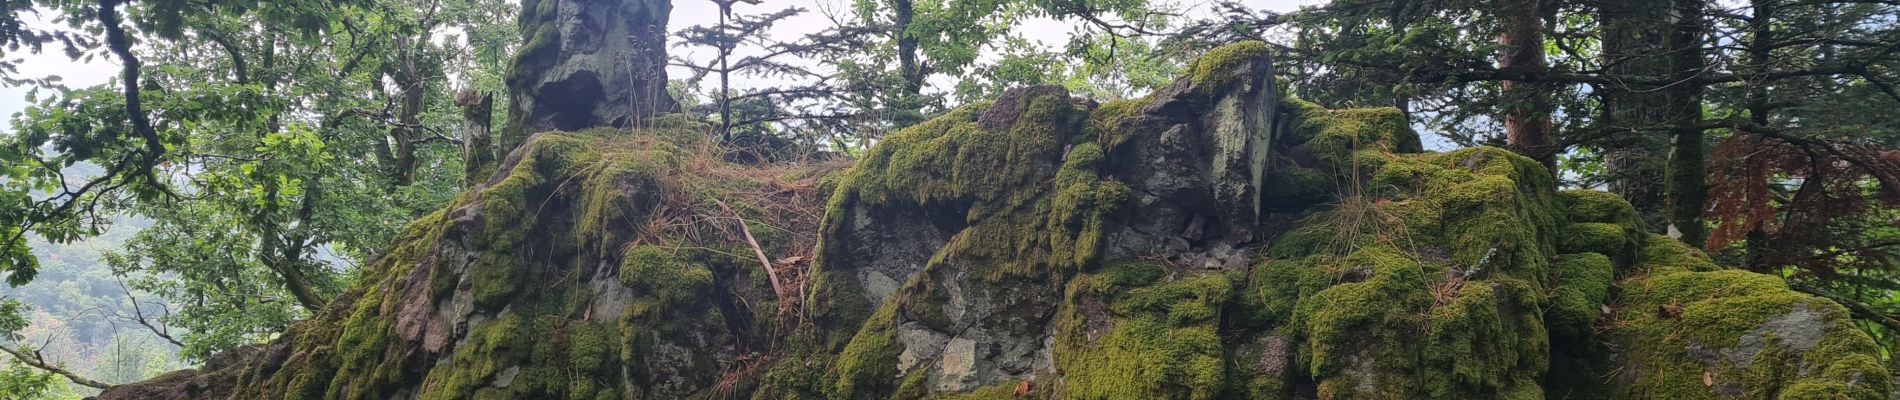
(1582,288)
(1215,69)
(1730,333)
(1336,138)
(1124,333)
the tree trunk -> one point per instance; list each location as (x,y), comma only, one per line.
(1527,119)
(478,154)
(408,131)
(1636,120)
(587,64)
(910,105)
(1687,183)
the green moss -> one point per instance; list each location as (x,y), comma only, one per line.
(799,377)
(1582,287)
(1123,334)
(1486,340)
(868,364)
(1106,121)
(1296,187)
(538,235)
(491,347)
(1602,223)
(1215,70)
(1595,237)
(1000,391)
(1596,206)
(1664,254)
(1364,320)
(1720,326)
(1031,195)
(1337,138)
(1430,284)
(662,280)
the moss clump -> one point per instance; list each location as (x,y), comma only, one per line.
(1663,254)
(796,377)
(996,177)
(1582,287)
(1486,341)
(1603,223)
(662,280)
(1362,320)
(1337,138)
(1595,237)
(1030,196)
(491,347)
(1124,333)
(1107,119)
(533,248)
(1293,186)
(1215,70)
(868,365)
(1597,206)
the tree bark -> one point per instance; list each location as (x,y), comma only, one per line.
(910,105)
(478,153)
(1527,120)
(1686,186)
(1637,116)
(587,64)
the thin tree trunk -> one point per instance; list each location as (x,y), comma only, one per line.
(725,76)
(910,107)
(1527,120)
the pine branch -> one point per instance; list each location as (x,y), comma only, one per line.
(1861,310)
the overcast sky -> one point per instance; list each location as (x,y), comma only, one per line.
(685,13)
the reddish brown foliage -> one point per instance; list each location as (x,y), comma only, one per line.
(1801,202)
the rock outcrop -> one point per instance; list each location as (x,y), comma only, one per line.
(587,64)
(1215,240)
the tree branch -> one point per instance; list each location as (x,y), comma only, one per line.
(33,359)
(1859,309)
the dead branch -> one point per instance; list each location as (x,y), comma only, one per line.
(764,262)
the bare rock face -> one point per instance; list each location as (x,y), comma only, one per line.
(588,64)
(1207,144)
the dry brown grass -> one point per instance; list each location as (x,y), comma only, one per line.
(712,201)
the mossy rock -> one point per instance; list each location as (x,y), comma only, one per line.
(1736,334)
(1213,240)
(1125,333)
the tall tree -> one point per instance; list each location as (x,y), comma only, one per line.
(1685,177)
(299,137)
(1527,124)
(1634,120)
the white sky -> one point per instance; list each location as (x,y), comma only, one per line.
(685,13)
(1052,34)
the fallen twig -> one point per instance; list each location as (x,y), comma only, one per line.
(764,262)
